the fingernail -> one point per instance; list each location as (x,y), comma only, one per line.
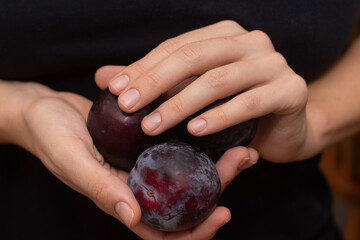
(152,121)
(125,213)
(120,83)
(130,98)
(198,125)
(225,222)
(252,160)
(243,163)
(246,162)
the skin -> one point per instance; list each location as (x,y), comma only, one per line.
(227,60)
(194,69)
(224,59)
(295,123)
(38,119)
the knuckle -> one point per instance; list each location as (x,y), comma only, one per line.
(190,53)
(299,89)
(216,78)
(260,37)
(154,79)
(222,116)
(99,72)
(169,46)
(96,191)
(138,68)
(229,24)
(251,102)
(278,59)
(177,105)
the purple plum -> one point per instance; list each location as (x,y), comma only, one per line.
(116,134)
(176,185)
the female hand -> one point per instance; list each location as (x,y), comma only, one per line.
(52,125)
(225,60)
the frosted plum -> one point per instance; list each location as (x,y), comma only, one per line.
(176,185)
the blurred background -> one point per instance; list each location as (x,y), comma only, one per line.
(341,166)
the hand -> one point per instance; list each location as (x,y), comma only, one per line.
(222,59)
(53,127)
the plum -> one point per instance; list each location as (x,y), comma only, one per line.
(119,138)
(176,185)
(116,134)
(218,143)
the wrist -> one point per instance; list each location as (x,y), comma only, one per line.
(319,125)
(15,97)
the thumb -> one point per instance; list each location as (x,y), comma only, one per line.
(105,186)
(113,196)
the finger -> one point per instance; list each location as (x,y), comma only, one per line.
(208,228)
(253,159)
(144,231)
(205,230)
(220,29)
(247,105)
(284,96)
(104,74)
(233,162)
(176,89)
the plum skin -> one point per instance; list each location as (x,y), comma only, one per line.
(116,134)
(176,185)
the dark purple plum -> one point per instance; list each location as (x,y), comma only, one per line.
(218,143)
(116,134)
(176,185)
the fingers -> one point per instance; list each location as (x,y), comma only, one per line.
(218,61)
(215,84)
(233,162)
(220,29)
(177,67)
(205,230)
(190,59)
(226,66)
(208,228)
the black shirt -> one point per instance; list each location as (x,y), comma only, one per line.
(62,43)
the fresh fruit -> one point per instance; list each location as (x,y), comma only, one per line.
(215,145)
(119,138)
(176,185)
(116,134)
